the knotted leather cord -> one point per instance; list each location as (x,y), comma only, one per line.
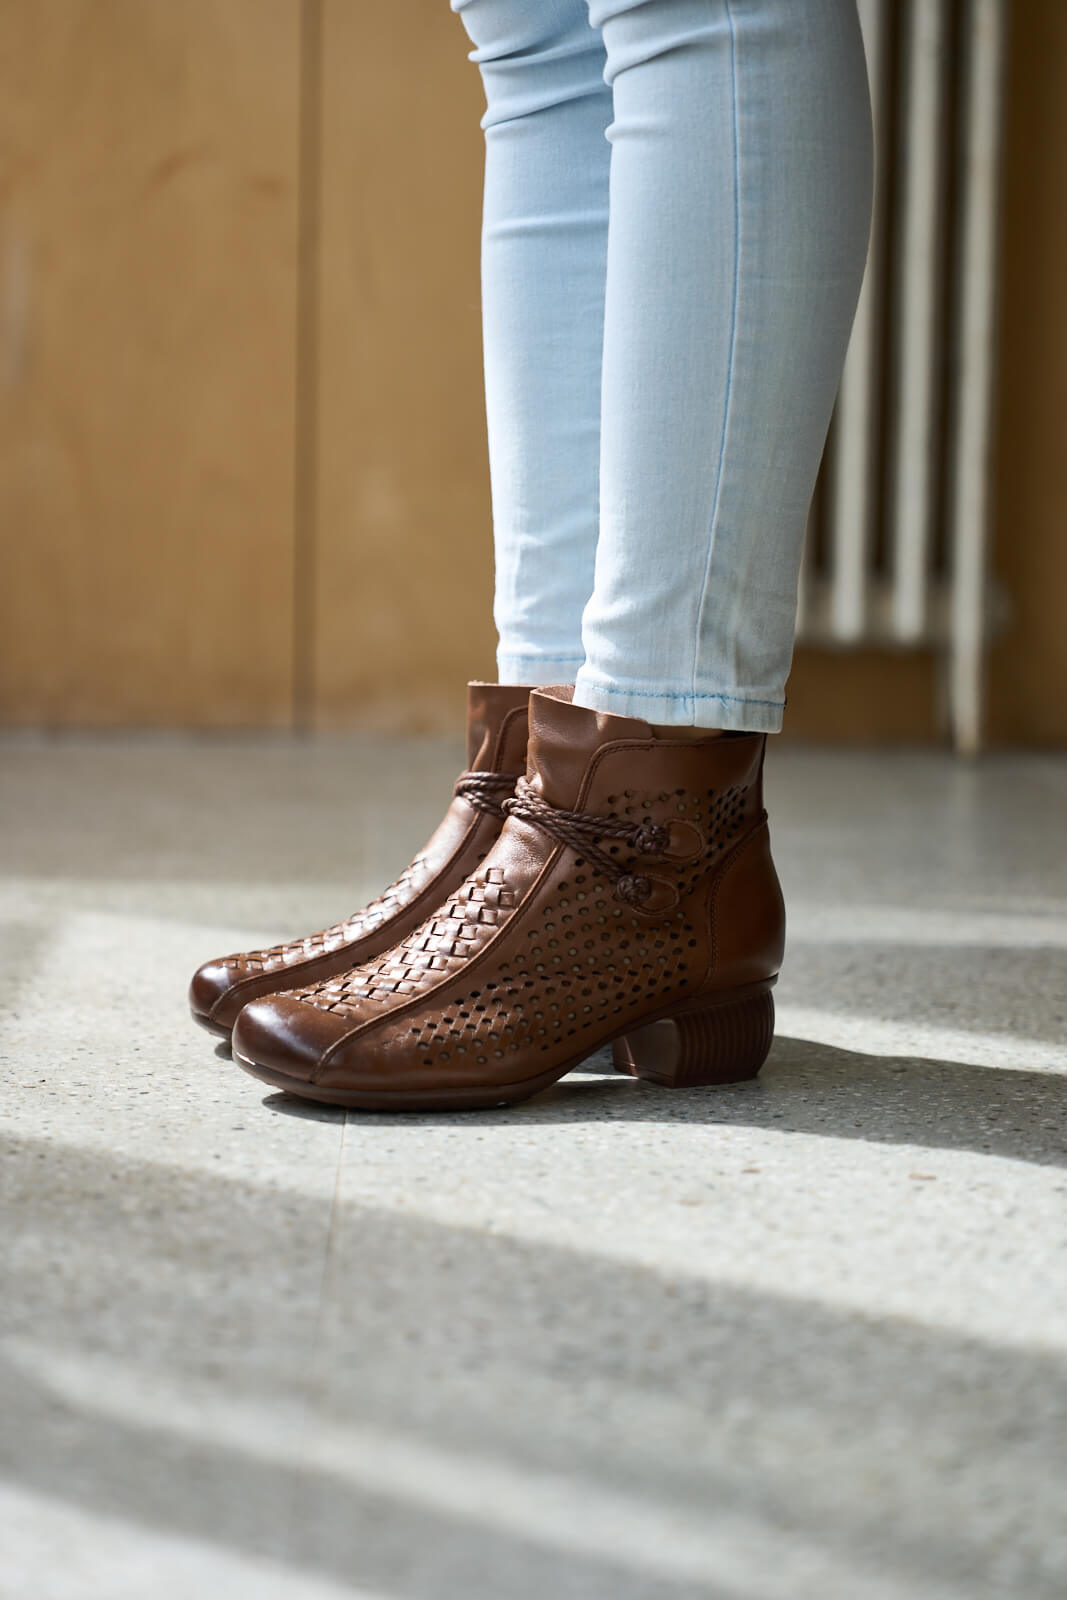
(481,789)
(580,828)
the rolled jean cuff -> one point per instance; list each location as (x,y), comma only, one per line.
(537,670)
(740,713)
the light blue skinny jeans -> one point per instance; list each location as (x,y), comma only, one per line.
(676,209)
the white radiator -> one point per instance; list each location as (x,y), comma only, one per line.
(897,546)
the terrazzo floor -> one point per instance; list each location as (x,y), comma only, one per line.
(802,1337)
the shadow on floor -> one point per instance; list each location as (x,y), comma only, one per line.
(812,1088)
(161,1332)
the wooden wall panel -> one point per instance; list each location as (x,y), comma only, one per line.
(1028,677)
(196,529)
(864,697)
(148,159)
(403,559)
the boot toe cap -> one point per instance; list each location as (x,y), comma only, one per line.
(283,1034)
(209,987)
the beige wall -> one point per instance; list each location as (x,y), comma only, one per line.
(1028,680)
(404,550)
(147,295)
(242,438)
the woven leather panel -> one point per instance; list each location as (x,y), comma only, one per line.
(585,959)
(590,961)
(400,893)
(429,955)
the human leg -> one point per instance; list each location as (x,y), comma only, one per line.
(630,896)
(739,208)
(544,247)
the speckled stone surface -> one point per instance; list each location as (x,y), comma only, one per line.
(798,1339)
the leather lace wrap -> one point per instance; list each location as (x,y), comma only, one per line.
(485,790)
(580,830)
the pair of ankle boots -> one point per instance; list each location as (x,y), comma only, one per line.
(590,883)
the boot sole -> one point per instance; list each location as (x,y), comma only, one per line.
(719,1041)
(223,1030)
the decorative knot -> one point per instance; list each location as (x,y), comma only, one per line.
(581,830)
(633,888)
(651,839)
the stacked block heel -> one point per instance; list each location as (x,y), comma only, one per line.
(722,1042)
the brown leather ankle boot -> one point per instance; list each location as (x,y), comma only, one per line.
(496,755)
(630,897)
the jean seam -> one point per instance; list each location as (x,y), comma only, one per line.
(735,299)
(638,694)
(542,661)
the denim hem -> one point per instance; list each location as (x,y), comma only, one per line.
(738,713)
(537,671)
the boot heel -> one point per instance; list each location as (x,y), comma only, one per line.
(720,1043)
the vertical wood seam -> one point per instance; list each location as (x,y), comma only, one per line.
(306,430)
